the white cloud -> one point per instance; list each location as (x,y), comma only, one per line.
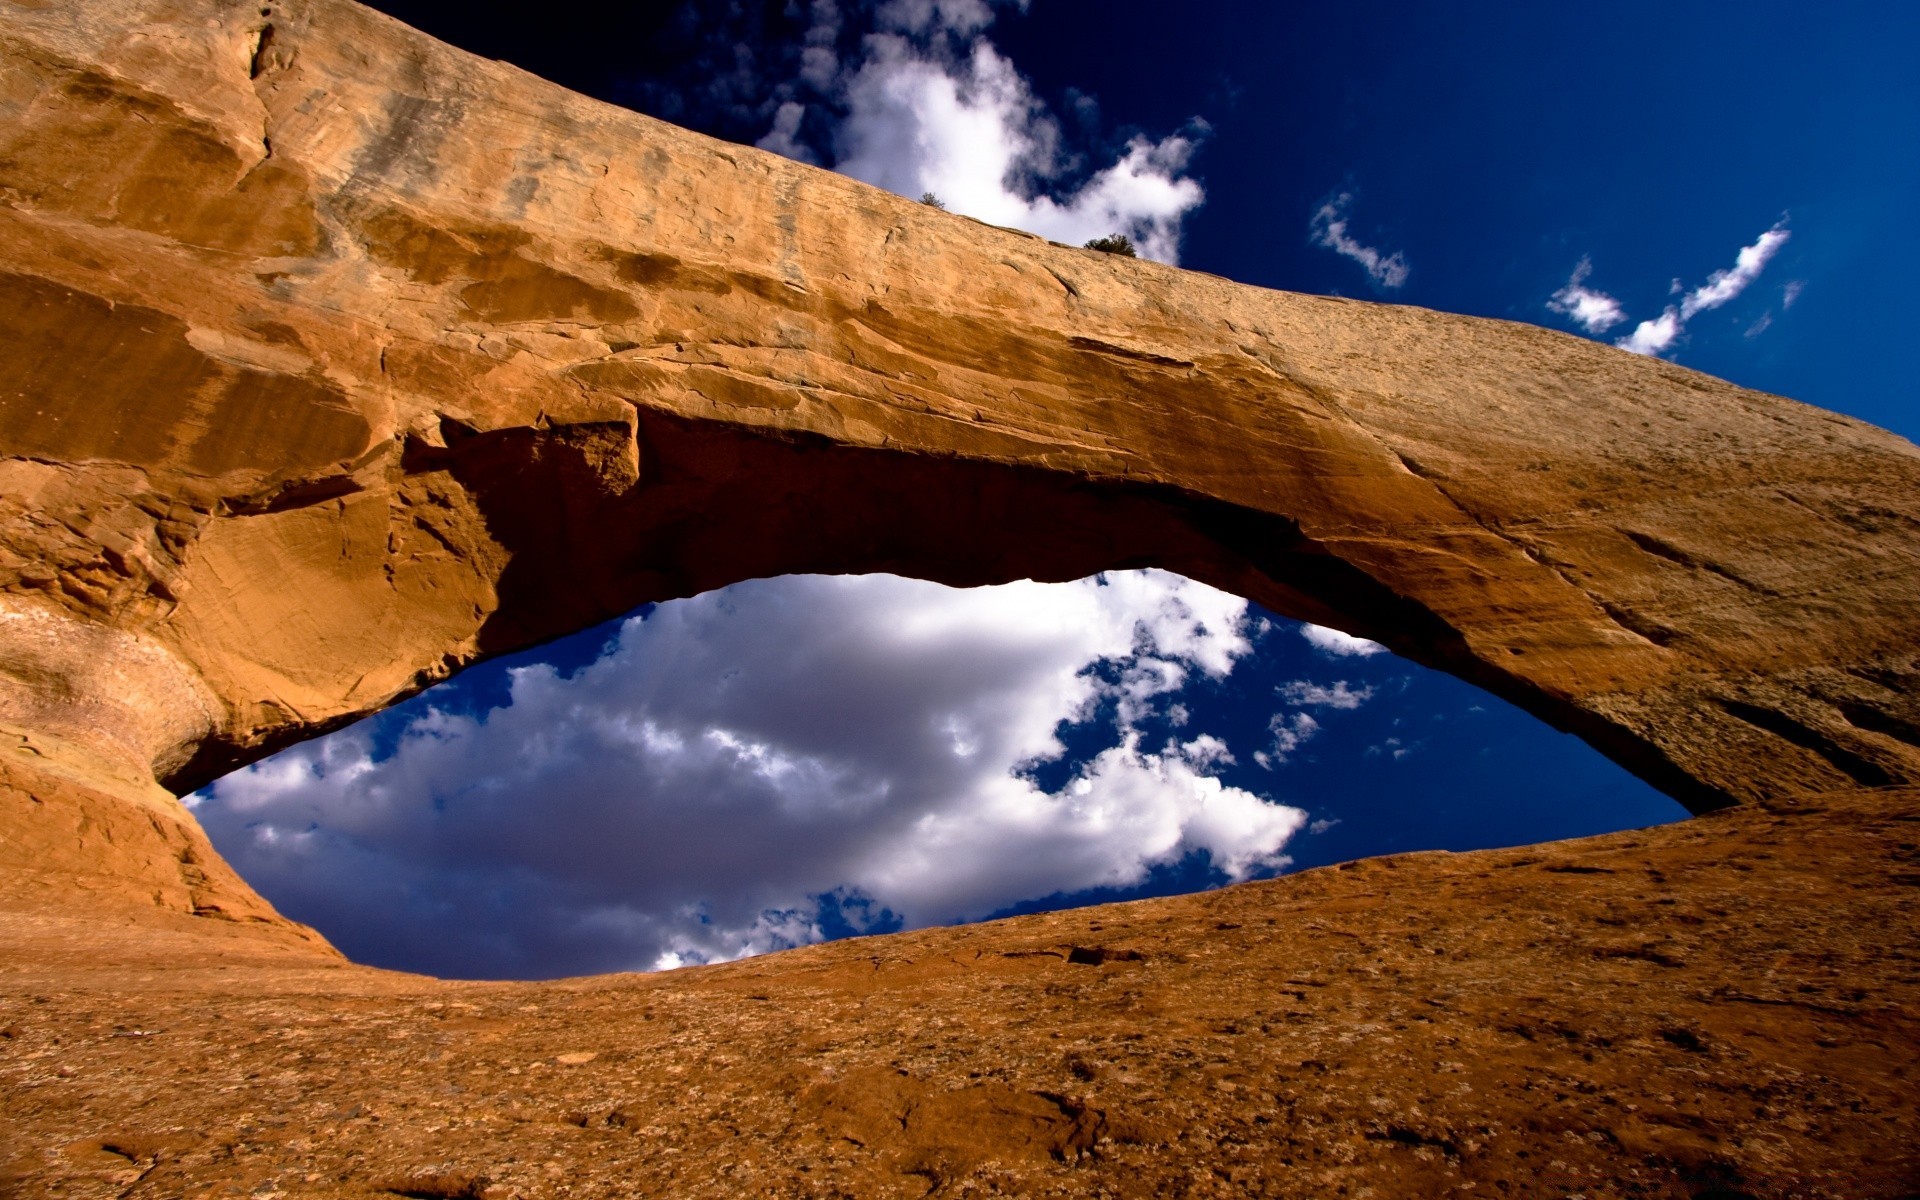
(1654,336)
(819,65)
(1290,731)
(1657,335)
(972,133)
(1336,644)
(1392,747)
(1791,292)
(1204,753)
(1722,286)
(735,757)
(1293,729)
(784,137)
(931,106)
(1313,695)
(1329,229)
(1322,824)
(1593,311)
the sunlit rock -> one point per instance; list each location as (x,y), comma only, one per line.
(337,359)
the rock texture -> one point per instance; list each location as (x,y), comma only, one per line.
(1724,1008)
(336,359)
(339,358)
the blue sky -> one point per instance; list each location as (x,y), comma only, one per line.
(721,776)
(1496,145)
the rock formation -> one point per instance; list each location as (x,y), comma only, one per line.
(337,359)
(1721,1008)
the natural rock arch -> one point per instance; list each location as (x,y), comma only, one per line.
(340,359)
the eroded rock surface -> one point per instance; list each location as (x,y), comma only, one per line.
(336,359)
(339,357)
(1727,1007)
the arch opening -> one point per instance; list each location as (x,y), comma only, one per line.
(796,759)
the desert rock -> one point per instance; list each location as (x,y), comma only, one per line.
(338,359)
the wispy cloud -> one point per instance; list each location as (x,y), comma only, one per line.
(1340,695)
(1335,644)
(784,138)
(1293,728)
(1393,748)
(1593,311)
(920,16)
(1329,228)
(1722,286)
(1290,731)
(1658,334)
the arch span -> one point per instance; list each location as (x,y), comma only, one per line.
(354,359)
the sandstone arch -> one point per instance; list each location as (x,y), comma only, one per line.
(341,358)
(335,359)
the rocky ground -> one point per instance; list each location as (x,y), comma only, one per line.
(338,359)
(1722,1008)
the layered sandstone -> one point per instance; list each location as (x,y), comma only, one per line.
(337,359)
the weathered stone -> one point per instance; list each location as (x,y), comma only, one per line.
(1720,1007)
(336,359)
(345,361)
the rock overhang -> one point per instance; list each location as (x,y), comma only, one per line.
(337,369)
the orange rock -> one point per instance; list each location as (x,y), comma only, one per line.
(494,361)
(337,359)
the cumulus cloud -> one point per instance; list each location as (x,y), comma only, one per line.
(974,136)
(1335,644)
(1658,334)
(1329,228)
(742,770)
(929,105)
(1593,311)
(1655,336)
(784,137)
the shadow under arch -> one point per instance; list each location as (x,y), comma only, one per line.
(715,503)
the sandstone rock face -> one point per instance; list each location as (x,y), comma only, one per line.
(339,358)
(336,359)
